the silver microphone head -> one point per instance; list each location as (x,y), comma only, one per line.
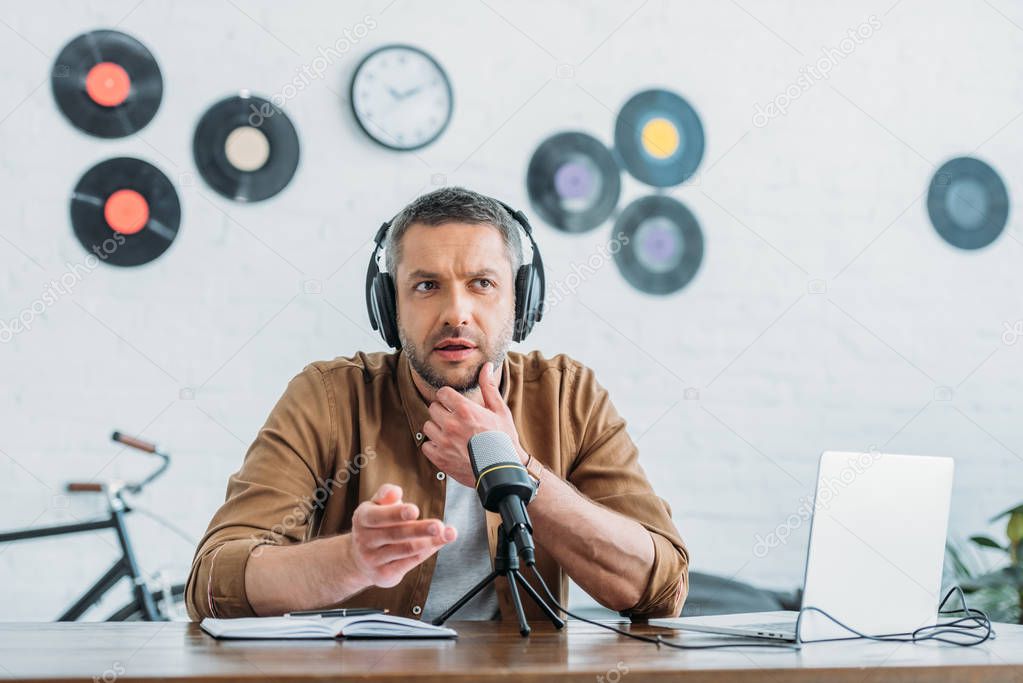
(487,449)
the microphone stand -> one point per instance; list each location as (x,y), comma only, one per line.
(506,564)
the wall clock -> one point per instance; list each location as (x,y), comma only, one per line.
(401,97)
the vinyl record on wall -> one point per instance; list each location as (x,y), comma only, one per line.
(659,138)
(968,203)
(246,148)
(125,211)
(664,248)
(573,181)
(107,83)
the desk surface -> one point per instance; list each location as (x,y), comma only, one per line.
(484,651)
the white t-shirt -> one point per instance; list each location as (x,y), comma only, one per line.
(464,563)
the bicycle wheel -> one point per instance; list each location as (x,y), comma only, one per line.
(133,612)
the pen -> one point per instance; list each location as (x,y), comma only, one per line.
(347,612)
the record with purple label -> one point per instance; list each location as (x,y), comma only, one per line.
(659,138)
(968,203)
(107,83)
(125,211)
(664,246)
(573,182)
(246,148)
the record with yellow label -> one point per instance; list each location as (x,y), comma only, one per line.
(659,138)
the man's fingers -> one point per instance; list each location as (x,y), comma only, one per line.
(396,551)
(403,565)
(432,429)
(489,389)
(388,515)
(388,494)
(404,532)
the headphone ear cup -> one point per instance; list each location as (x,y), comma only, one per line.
(525,292)
(384,290)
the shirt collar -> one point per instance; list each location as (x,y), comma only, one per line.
(416,408)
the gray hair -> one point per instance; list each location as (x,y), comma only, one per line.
(453,204)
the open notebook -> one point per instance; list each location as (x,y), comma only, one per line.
(362,626)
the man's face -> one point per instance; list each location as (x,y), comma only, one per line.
(456,301)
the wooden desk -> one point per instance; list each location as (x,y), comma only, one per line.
(487,651)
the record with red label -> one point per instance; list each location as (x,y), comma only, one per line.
(246,148)
(107,84)
(125,211)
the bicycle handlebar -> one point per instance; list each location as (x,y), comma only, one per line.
(84,486)
(135,487)
(134,442)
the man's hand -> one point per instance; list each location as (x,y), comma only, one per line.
(388,539)
(454,419)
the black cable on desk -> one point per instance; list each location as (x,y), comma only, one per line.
(656,640)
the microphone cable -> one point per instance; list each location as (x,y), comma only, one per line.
(657,639)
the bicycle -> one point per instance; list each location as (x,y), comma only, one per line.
(149,604)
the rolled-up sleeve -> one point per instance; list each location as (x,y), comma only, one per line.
(607,470)
(271,499)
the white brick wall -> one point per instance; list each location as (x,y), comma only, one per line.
(830,191)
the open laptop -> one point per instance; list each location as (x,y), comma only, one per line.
(877,546)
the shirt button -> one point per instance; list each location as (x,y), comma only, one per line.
(417,610)
(440,475)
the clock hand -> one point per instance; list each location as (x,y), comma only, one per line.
(413,91)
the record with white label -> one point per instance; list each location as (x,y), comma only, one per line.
(661,247)
(659,138)
(125,211)
(573,181)
(968,203)
(246,148)
(107,83)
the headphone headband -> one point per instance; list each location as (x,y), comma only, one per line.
(530,287)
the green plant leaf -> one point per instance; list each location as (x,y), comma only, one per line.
(1014,529)
(988,542)
(959,567)
(1007,576)
(1018,508)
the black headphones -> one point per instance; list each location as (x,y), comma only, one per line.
(530,288)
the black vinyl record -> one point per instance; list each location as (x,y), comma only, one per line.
(968,203)
(107,83)
(573,182)
(125,211)
(664,248)
(659,138)
(246,148)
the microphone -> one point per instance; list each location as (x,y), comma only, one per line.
(504,486)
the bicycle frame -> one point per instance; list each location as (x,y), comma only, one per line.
(125,566)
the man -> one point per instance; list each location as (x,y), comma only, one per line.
(358,490)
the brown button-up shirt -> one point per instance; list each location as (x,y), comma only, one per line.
(345,427)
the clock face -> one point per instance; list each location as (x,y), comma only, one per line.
(401,97)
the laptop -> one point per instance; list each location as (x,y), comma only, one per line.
(875,556)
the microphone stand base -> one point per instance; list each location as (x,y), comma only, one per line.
(506,564)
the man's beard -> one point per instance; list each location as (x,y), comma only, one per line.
(493,352)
